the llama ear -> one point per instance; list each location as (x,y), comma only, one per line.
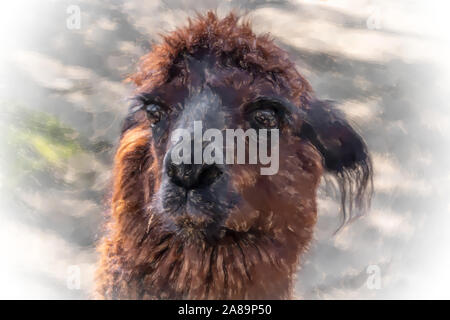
(343,150)
(326,128)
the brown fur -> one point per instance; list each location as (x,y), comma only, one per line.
(140,258)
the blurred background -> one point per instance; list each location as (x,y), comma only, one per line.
(62,99)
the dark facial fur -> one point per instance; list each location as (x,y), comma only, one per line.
(220,231)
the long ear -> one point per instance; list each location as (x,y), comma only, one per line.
(344,154)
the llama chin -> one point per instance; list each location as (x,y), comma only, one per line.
(204,230)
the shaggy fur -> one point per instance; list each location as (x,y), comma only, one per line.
(248,231)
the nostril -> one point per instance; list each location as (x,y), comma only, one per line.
(171,170)
(208,175)
(178,174)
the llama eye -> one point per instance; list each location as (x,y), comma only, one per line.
(154,113)
(266,118)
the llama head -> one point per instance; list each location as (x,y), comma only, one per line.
(216,74)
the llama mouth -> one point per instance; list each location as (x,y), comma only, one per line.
(236,236)
(204,202)
(213,235)
(197,213)
(205,229)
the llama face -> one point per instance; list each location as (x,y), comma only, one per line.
(198,230)
(219,201)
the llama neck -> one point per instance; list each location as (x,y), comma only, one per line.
(167,268)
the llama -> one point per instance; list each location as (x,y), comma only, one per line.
(202,231)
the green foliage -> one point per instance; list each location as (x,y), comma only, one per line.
(35,142)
